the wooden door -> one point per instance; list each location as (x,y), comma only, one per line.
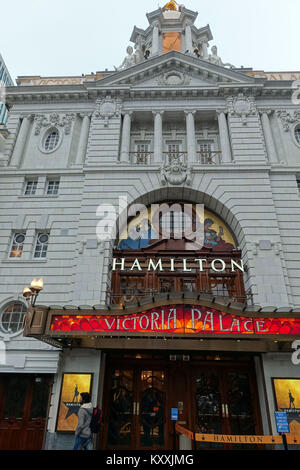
(23,410)
(135,407)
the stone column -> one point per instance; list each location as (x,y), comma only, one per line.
(271,149)
(191,136)
(84,135)
(155,40)
(188,39)
(158,137)
(125,146)
(226,156)
(21,141)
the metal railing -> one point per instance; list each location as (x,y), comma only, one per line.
(209,157)
(203,157)
(137,294)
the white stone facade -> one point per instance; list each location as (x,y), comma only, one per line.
(175,97)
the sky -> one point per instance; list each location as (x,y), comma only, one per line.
(71,37)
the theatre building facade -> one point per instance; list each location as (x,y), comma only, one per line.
(160,204)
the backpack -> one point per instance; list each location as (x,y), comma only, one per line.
(96,420)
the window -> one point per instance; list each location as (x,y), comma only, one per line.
(17,245)
(173,150)
(41,247)
(51,141)
(12,318)
(298,183)
(142,150)
(52,187)
(206,152)
(297,134)
(30,188)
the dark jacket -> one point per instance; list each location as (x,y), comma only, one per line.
(85,414)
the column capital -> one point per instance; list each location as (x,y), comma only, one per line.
(30,117)
(266,111)
(221,111)
(189,111)
(158,112)
(85,115)
(128,113)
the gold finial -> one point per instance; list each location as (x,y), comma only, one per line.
(172,5)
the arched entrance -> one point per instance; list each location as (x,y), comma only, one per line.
(212,391)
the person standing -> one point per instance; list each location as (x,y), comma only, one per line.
(83,434)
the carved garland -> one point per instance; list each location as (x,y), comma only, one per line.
(288,118)
(56,120)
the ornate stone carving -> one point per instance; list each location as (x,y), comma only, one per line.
(56,120)
(106,109)
(287,118)
(242,106)
(215,59)
(176,173)
(173,78)
(129,60)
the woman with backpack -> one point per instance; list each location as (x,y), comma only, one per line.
(83,433)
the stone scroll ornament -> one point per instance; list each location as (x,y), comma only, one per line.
(242,106)
(176,173)
(106,109)
(288,118)
(56,120)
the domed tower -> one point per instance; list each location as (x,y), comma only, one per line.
(172,28)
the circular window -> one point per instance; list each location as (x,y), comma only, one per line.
(43,238)
(297,134)
(12,318)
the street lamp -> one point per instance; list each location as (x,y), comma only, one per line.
(31,293)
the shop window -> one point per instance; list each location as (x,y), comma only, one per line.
(17,245)
(12,318)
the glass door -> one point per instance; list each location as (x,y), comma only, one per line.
(135,409)
(151,409)
(225,402)
(119,410)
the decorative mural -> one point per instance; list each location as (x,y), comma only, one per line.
(144,230)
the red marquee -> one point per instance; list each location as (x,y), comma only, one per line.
(177,319)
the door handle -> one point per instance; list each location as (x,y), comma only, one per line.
(134,408)
(227,411)
(138,408)
(223,411)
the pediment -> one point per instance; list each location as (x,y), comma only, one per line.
(174,70)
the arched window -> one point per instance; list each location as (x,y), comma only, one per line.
(297,134)
(51,140)
(11,319)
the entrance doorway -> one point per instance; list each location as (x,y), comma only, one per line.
(213,395)
(23,409)
(136,408)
